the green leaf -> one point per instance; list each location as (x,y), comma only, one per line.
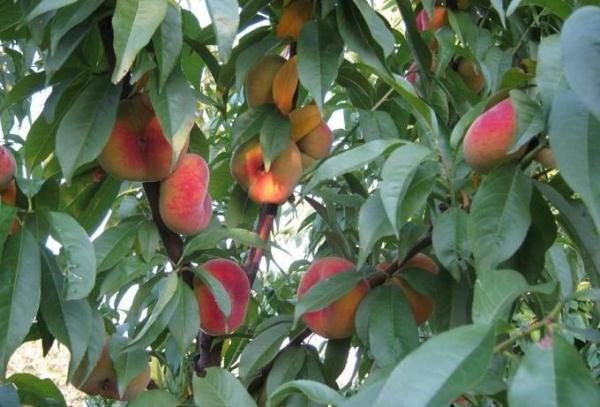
(463,124)
(377,124)
(114,244)
(79,256)
(552,374)
(446,365)
(500,216)
(285,368)
(575,143)
(580,40)
(134,22)
(531,120)
(127,364)
(379,31)
(45,6)
(348,161)
(372,226)
(85,128)
(392,330)
(7,216)
(248,124)
(124,272)
(550,74)
(217,289)
(498,5)
(9,396)
(185,322)
(262,349)
(225,20)
(315,391)
(20,288)
(154,398)
(68,17)
(319,55)
(397,173)
(219,388)
(416,43)
(208,239)
(495,291)
(175,107)
(274,136)
(450,241)
(327,291)
(34,391)
(558,266)
(167,43)
(24,88)
(65,48)
(250,55)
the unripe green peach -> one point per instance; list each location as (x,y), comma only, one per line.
(336,320)
(259,80)
(184,203)
(236,284)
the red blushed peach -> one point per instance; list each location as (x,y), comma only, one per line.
(259,80)
(490,136)
(317,143)
(439,19)
(9,197)
(336,320)
(293,18)
(236,284)
(272,186)
(137,149)
(7,167)
(184,203)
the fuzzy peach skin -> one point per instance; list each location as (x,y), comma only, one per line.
(236,283)
(488,139)
(285,84)
(293,18)
(273,186)
(184,203)
(137,149)
(9,197)
(439,19)
(303,120)
(259,80)
(472,76)
(317,143)
(8,167)
(336,320)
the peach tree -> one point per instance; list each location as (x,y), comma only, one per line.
(302,202)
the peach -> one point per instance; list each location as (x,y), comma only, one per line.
(236,284)
(137,149)
(317,143)
(439,19)
(9,197)
(303,120)
(412,74)
(102,380)
(8,167)
(471,75)
(259,80)
(184,203)
(546,157)
(336,320)
(272,186)
(293,18)
(285,84)
(490,136)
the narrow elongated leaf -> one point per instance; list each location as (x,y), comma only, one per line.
(68,17)
(530,119)
(114,244)
(79,257)
(225,20)
(20,289)
(314,391)
(397,173)
(500,216)
(85,128)
(576,146)
(349,161)
(127,364)
(274,136)
(124,272)
(550,74)
(24,88)
(34,391)
(446,365)
(185,322)
(45,6)
(154,398)
(373,224)
(134,22)
(248,124)
(554,375)
(450,240)
(285,368)
(580,40)
(495,291)
(168,42)
(209,239)
(219,388)
(217,289)
(326,291)
(9,396)
(319,51)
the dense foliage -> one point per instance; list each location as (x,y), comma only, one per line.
(426,164)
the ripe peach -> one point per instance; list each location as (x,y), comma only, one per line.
(304,119)
(184,203)
(137,149)
(439,19)
(236,283)
(9,197)
(8,167)
(317,143)
(337,319)
(490,136)
(102,380)
(259,80)
(293,18)
(272,186)
(285,84)
(471,75)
